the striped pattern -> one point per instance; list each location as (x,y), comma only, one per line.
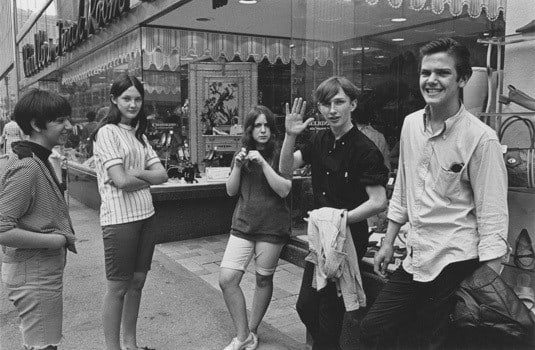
(117,144)
(30,200)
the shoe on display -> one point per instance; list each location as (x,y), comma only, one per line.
(528,28)
(519,97)
(250,343)
(524,256)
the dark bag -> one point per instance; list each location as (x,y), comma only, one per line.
(485,303)
(520,162)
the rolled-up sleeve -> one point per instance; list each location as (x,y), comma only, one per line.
(107,147)
(488,177)
(375,172)
(397,209)
(16,192)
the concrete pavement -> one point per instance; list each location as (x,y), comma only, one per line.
(182,309)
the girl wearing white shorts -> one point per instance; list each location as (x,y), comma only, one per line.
(126,166)
(260,224)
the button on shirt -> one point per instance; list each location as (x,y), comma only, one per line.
(341,170)
(452,188)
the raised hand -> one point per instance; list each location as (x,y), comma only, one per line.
(294,119)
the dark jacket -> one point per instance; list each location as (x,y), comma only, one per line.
(485,304)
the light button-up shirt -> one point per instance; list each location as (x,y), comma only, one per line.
(452,189)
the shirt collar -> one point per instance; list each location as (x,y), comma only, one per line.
(448,123)
(40,151)
(124,126)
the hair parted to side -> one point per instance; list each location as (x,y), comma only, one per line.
(122,83)
(271,148)
(459,52)
(330,87)
(42,106)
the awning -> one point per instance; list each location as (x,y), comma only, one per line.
(167,49)
(475,7)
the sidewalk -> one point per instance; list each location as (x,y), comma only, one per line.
(182,306)
(202,257)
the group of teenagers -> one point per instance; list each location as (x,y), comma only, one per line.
(451,188)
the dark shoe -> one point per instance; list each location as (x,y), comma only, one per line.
(524,256)
(519,97)
(528,28)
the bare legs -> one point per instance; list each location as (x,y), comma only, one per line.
(267,255)
(121,307)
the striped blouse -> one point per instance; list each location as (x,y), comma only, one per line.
(117,144)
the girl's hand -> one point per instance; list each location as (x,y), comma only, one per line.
(294,120)
(240,158)
(255,156)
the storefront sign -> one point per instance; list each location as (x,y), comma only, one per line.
(92,16)
(318,125)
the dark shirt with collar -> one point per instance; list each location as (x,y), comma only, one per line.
(27,148)
(341,171)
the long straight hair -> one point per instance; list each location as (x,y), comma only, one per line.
(120,85)
(271,149)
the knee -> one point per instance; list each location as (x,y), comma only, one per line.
(138,281)
(228,280)
(118,289)
(263,281)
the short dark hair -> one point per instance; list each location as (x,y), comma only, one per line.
(459,52)
(330,87)
(90,116)
(42,106)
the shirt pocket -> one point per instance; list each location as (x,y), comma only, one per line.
(448,183)
(14,274)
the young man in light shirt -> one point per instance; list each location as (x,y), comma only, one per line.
(452,189)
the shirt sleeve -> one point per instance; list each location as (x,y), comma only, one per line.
(16,195)
(306,150)
(397,210)
(107,147)
(150,155)
(374,170)
(488,178)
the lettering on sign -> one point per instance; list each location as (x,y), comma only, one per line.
(92,16)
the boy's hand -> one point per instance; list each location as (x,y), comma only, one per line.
(294,120)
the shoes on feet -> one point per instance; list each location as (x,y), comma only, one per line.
(250,343)
(519,97)
(528,28)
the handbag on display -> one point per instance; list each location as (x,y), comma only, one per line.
(520,161)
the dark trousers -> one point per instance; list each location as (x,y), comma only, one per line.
(414,315)
(322,312)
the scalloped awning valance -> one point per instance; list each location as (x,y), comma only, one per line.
(474,7)
(167,49)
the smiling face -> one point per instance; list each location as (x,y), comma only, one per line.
(129,104)
(440,83)
(337,111)
(261,131)
(56,133)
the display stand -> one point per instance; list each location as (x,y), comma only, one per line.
(493,112)
(518,272)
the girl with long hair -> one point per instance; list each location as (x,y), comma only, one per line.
(260,224)
(126,166)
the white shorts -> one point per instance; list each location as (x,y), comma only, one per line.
(239,253)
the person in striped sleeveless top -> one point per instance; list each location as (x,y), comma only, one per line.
(260,224)
(126,166)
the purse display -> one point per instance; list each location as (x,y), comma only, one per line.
(520,161)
